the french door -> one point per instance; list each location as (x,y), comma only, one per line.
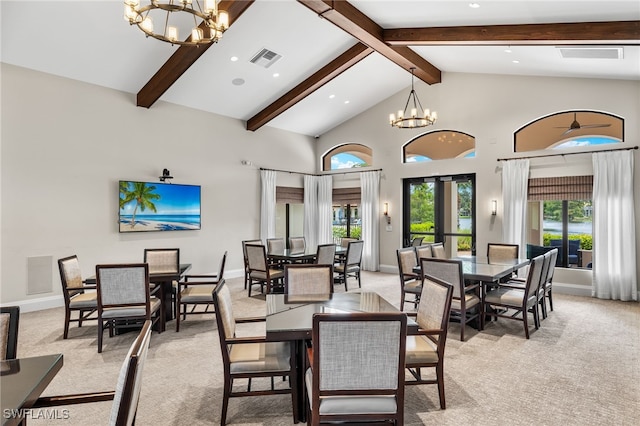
(441,209)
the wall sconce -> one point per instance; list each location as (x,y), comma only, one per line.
(494,207)
(386,213)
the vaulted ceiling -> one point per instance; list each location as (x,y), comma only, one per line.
(338,58)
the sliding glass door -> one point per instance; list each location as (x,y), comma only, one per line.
(441,209)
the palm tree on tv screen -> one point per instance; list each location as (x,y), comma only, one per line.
(142,194)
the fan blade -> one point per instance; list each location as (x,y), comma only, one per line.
(593,126)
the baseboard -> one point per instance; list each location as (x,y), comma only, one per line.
(572,289)
(39,304)
(389,269)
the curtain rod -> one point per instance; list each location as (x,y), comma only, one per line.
(324,174)
(567,153)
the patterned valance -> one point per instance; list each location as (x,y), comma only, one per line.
(561,188)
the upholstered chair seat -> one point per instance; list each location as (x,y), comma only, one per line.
(196,294)
(420,350)
(154,302)
(260,357)
(84,300)
(273,273)
(508,296)
(470,300)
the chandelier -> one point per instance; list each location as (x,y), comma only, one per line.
(176,15)
(417,117)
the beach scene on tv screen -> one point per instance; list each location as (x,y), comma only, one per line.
(146,206)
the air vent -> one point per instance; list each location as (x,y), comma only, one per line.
(588,52)
(265,58)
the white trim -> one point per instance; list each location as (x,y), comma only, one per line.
(573,289)
(39,304)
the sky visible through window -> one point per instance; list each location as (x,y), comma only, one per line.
(345,161)
(586,141)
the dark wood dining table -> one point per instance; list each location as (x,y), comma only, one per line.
(23,380)
(297,256)
(290,318)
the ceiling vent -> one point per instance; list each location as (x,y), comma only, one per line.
(588,52)
(265,58)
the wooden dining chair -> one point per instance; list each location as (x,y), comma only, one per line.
(9,320)
(410,282)
(350,266)
(195,290)
(301,279)
(437,251)
(466,305)
(425,349)
(261,272)
(250,357)
(423,251)
(501,251)
(357,368)
(417,241)
(77,298)
(297,244)
(246,260)
(127,390)
(325,254)
(124,295)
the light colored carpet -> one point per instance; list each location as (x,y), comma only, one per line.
(581,368)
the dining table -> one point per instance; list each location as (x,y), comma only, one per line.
(290,318)
(286,256)
(22,381)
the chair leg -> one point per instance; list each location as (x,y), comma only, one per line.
(402,300)
(178,313)
(550,300)
(228,383)
(67,318)
(440,379)
(526,323)
(359,282)
(463,322)
(100,335)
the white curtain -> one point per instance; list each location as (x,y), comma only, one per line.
(369,212)
(614,245)
(515,177)
(310,223)
(325,209)
(268,205)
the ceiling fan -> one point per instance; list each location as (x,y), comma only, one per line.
(577,126)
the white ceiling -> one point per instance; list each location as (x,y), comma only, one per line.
(90,41)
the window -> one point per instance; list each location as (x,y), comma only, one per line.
(568,129)
(439,145)
(289,212)
(560,212)
(346,214)
(347,156)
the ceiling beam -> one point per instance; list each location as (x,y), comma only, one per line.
(183,58)
(330,71)
(616,32)
(360,26)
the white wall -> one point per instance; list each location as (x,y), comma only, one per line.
(65,145)
(491,108)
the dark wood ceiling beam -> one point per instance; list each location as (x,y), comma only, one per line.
(616,32)
(183,58)
(360,26)
(330,71)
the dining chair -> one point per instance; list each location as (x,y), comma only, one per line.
(423,251)
(302,279)
(410,282)
(437,251)
(500,251)
(127,390)
(249,357)
(356,369)
(350,267)
(260,272)
(76,296)
(297,244)
(164,261)
(124,295)
(417,241)
(344,242)
(516,302)
(246,260)
(275,245)
(466,305)
(547,284)
(9,319)
(426,348)
(195,290)
(325,254)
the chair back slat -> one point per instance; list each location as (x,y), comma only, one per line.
(534,276)
(498,252)
(70,273)
(275,245)
(354,252)
(326,254)
(406,261)
(437,251)
(121,285)
(344,242)
(423,251)
(435,305)
(256,257)
(447,270)
(224,311)
(297,244)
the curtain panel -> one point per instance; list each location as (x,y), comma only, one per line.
(515,177)
(325,209)
(310,223)
(268,204)
(369,212)
(614,245)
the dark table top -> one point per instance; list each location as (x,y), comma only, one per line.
(486,270)
(23,380)
(294,255)
(184,267)
(291,317)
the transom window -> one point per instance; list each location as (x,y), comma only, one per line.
(439,145)
(347,156)
(568,129)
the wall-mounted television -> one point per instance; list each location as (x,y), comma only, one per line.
(153,206)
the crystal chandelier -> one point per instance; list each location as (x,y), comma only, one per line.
(204,21)
(417,117)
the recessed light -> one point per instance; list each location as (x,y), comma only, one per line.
(515,61)
(276,75)
(234,58)
(237,81)
(346,102)
(474,5)
(332,96)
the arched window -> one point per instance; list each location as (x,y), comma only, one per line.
(567,129)
(347,156)
(439,145)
